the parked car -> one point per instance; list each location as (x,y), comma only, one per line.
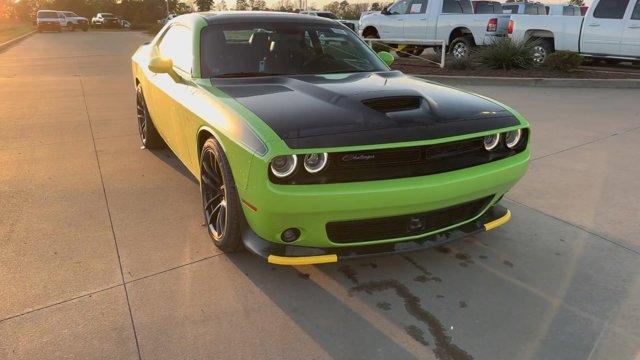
(528,8)
(48,20)
(72,21)
(610,30)
(487,7)
(309,149)
(106,20)
(450,20)
(353,25)
(563,10)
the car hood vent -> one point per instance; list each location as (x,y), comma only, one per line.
(394,103)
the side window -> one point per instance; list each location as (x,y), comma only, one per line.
(457,7)
(610,9)
(399,8)
(418,6)
(636,11)
(176,44)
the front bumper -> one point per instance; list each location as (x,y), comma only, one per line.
(299,255)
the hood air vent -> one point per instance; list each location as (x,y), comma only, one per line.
(393,104)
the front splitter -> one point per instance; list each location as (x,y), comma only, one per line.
(302,255)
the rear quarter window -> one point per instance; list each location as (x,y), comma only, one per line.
(47,14)
(610,9)
(457,7)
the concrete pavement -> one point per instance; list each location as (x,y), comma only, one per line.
(102,254)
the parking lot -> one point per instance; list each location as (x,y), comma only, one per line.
(102,252)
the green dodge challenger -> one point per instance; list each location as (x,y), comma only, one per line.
(309,149)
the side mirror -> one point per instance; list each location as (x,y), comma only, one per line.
(386,57)
(384,11)
(161,65)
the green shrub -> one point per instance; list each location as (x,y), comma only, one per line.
(464,63)
(563,60)
(507,54)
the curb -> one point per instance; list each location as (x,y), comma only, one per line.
(537,82)
(12,42)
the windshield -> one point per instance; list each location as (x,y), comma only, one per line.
(236,50)
(108,16)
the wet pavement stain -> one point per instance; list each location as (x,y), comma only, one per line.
(444,249)
(349,273)
(444,348)
(436,279)
(371,265)
(420,278)
(462,304)
(507,263)
(463,264)
(417,265)
(483,257)
(439,296)
(384,306)
(417,334)
(304,276)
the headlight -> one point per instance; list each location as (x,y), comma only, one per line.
(314,163)
(512,138)
(284,165)
(491,141)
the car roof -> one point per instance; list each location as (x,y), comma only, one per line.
(260,16)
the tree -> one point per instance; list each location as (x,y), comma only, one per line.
(242,5)
(376,6)
(183,8)
(257,4)
(221,6)
(204,5)
(284,6)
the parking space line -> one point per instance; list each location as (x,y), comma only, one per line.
(104,191)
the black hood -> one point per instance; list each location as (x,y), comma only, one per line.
(311,111)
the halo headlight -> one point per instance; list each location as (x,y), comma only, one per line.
(314,163)
(491,141)
(512,138)
(284,165)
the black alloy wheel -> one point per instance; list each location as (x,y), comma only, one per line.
(214,197)
(148,133)
(220,202)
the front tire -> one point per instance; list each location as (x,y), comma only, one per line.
(148,134)
(220,202)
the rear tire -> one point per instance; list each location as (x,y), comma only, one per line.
(377,47)
(148,134)
(541,52)
(220,201)
(461,47)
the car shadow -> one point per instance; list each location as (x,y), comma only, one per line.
(169,158)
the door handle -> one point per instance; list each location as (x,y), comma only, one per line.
(423,19)
(634,26)
(594,25)
(399,20)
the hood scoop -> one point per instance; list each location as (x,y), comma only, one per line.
(394,103)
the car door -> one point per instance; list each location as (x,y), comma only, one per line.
(169,91)
(630,44)
(394,17)
(416,21)
(602,31)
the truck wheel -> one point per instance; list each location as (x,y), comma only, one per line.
(541,52)
(461,47)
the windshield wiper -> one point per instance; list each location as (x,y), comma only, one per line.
(244,74)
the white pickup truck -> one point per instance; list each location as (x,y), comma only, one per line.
(451,21)
(609,30)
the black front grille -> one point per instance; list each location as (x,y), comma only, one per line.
(347,232)
(404,162)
